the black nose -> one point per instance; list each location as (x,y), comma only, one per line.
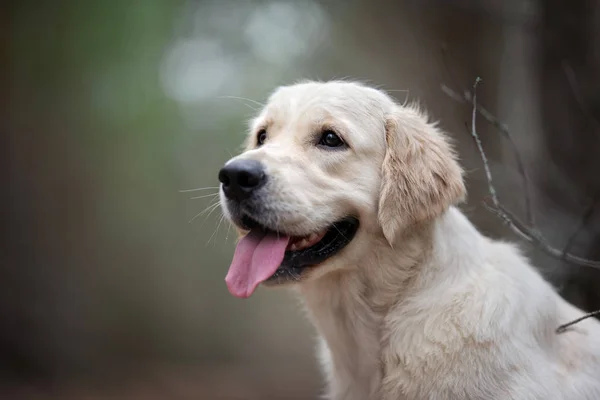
(241,178)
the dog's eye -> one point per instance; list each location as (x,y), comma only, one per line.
(261,137)
(330,139)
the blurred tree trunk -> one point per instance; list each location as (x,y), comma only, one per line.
(569,66)
(12,358)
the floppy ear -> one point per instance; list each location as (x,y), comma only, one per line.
(421,176)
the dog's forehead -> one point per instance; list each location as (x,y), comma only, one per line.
(330,96)
(331,103)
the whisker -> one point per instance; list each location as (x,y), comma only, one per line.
(340,232)
(198,189)
(228,229)
(320,202)
(216,230)
(406,97)
(244,99)
(203,196)
(210,207)
(208,215)
(250,107)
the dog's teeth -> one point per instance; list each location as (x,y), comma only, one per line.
(306,241)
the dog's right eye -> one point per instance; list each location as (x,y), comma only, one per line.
(330,139)
(261,137)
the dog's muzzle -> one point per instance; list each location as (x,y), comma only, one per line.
(241,178)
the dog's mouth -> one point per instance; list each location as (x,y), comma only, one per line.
(266,255)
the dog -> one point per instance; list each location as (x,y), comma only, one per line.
(351,199)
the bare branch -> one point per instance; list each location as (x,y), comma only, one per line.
(528,233)
(585,217)
(578,96)
(486,165)
(503,129)
(563,328)
(537,239)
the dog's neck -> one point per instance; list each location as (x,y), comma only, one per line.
(349,308)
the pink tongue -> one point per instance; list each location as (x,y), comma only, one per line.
(256,258)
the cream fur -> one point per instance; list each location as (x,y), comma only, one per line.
(419,305)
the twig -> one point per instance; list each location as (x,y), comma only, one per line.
(585,217)
(563,328)
(577,95)
(503,129)
(528,233)
(486,165)
(537,239)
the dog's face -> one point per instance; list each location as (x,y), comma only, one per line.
(328,170)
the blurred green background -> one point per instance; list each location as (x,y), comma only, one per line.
(112,276)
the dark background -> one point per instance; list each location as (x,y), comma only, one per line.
(110,108)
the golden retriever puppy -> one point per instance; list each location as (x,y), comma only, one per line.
(350,198)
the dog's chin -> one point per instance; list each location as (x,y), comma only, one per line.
(304,253)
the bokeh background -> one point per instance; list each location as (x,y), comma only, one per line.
(111,275)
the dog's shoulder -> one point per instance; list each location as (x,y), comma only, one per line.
(482,327)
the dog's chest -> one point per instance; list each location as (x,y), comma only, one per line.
(350,347)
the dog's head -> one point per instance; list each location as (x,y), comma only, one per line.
(330,169)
